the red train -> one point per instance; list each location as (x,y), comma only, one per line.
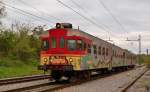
(71,52)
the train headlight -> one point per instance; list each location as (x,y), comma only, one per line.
(70,59)
(58,25)
(45,59)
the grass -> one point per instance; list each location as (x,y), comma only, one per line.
(6,72)
(145,59)
(14,68)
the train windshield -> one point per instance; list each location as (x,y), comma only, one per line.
(62,42)
(45,45)
(79,45)
(53,42)
(71,45)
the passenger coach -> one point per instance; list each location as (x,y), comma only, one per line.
(72,52)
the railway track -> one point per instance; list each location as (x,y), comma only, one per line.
(52,86)
(134,81)
(23,79)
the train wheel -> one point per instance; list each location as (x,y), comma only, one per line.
(56,74)
(87,74)
(72,79)
(84,75)
(79,75)
(68,75)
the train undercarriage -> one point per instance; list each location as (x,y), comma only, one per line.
(69,74)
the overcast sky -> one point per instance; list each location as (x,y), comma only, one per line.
(117,19)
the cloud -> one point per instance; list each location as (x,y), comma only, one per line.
(134,16)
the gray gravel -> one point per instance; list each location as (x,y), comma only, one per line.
(21,85)
(109,84)
(142,85)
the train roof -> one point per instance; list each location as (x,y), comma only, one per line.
(78,32)
(101,40)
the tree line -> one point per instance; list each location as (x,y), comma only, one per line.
(20,42)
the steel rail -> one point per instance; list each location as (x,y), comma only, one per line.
(63,85)
(134,81)
(24,79)
(52,86)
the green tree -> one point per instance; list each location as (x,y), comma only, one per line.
(3,12)
(7,42)
(19,44)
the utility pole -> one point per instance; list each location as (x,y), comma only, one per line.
(110,40)
(139,44)
(138,40)
(12,27)
(147,52)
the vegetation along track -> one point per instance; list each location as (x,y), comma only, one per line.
(24,79)
(132,82)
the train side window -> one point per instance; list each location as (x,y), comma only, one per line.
(95,49)
(45,45)
(103,51)
(71,45)
(79,45)
(113,52)
(89,48)
(99,50)
(106,51)
(53,42)
(123,54)
(84,46)
(62,42)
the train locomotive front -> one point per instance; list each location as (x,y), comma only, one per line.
(62,53)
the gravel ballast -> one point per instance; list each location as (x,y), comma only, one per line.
(109,84)
(142,85)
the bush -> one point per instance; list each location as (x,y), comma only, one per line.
(147,60)
(6,42)
(19,45)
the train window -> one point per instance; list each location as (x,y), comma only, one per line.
(106,51)
(103,51)
(71,45)
(53,42)
(113,52)
(84,46)
(79,44)
(62,42)
(45,45)
(89,48)
(123,54)
(95,49)
(99,50)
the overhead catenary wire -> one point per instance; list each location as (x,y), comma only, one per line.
(49,21)
(84,17)
(79,14)
(26,12)
(112,15)
(85,11)
(23,2)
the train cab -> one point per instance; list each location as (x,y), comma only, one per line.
(60,51)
